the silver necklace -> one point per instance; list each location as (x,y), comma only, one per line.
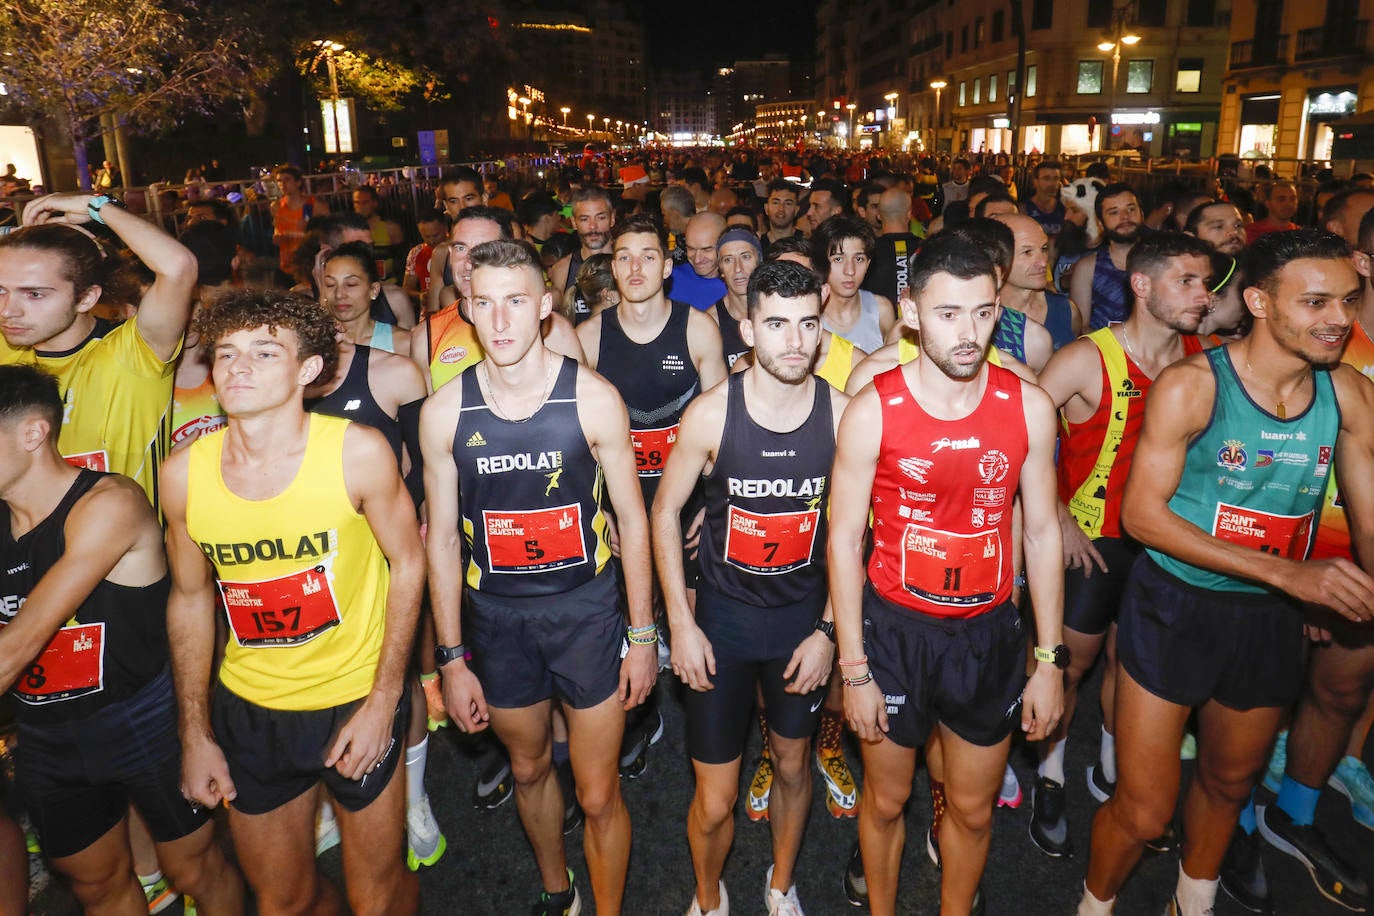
(506,414)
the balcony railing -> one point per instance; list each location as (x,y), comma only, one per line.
(1264,53)
(1332,40)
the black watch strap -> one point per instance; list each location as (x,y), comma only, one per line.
(445,654)
(827,627)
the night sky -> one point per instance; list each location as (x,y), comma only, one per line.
(705,32)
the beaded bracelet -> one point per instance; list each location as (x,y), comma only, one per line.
(643,636)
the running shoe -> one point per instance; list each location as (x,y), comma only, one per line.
(326,830)
(778,902)
(937,815)
(572,811)
(1352,780)
(1166,842)
(425,844)
(159,894)
(494,784)
(1336,880)
(643,734)
(1242,874)
(759,788)
(437,715)
(1278,763)
(1187,749)
(1010,794)
(722,910)
(566,903)
(38,870)
(855,884)
(841,794)
(1098,785)
(1049,822)
(1173,909)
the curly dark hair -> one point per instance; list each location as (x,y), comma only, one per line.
(240,310)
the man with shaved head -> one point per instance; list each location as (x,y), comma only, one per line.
(887,274)
(697,280)
(722,201)
(1023,288)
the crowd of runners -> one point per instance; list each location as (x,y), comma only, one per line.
(848,456)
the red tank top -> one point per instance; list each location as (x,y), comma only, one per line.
(942,495)
(1092,479)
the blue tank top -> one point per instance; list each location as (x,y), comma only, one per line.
(1109,291)
(867,333)
(1010,334)
(1059,318)
(1253,479)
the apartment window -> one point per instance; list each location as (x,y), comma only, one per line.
(1189,75)
(949,44)
(992,88)
(1030,81)
(1202,14)
(999,24)
(977,92)
(1140,75)
(963,39)
(979,35)
(1042,15)
(962,98)
(1099,14)
(1090,77)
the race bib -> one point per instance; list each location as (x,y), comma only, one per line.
(956,570)
(652,447)
(770,544)
(71,665)
(287,611)
(535,540)
(1282,535)
(91,461)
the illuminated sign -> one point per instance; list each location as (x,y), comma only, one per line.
(1135,117)
(1003,123)
(1331,103)
(337,117)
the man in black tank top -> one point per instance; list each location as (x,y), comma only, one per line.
(83,648)
(737,254)
(763,443)
(593,219)
(517,452)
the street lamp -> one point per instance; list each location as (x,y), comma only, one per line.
(851,106)
(565,109)
(618,122)
(330,48)
(1119,34)
(938,86)
(591,120)
(606,122)
(891,98)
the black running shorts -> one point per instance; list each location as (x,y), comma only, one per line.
(1188,645)
(527,650)
(1092,602)
(966,674)
(274,755)
(77,779)
(751,645)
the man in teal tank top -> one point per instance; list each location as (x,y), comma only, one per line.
(1224,494)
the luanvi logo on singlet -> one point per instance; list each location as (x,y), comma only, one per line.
(522,461)
(287,547)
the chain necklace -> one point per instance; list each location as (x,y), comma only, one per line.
(1281,411)
(506,414)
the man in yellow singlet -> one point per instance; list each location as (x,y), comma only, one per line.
(302,522)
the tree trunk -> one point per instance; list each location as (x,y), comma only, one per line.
(83,171)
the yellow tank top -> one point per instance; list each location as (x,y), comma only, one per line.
(907,350)
(303,580)
(839,361)
(118,397)
(453,345)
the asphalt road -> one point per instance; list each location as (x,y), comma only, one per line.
(489,871)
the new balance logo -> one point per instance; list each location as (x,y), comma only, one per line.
(353,404)
(475,440)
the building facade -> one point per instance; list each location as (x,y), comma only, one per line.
(1294,69)
(1055,76)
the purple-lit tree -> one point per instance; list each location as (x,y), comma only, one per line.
(93,66)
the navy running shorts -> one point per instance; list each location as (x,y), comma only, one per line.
(1092,601)
(966,674)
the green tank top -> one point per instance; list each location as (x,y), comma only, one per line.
(1251,478)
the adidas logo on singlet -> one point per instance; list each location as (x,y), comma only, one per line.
(476,439)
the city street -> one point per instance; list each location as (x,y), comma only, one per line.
(489,871)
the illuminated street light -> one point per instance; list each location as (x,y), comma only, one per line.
(891,98)
(591,120)
(606,122)
(565,109)
(851,106)
(1119,34)
(938,85)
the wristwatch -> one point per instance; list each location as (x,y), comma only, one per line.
(827,627)
(99,201)
(445,654)
(1059,656)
